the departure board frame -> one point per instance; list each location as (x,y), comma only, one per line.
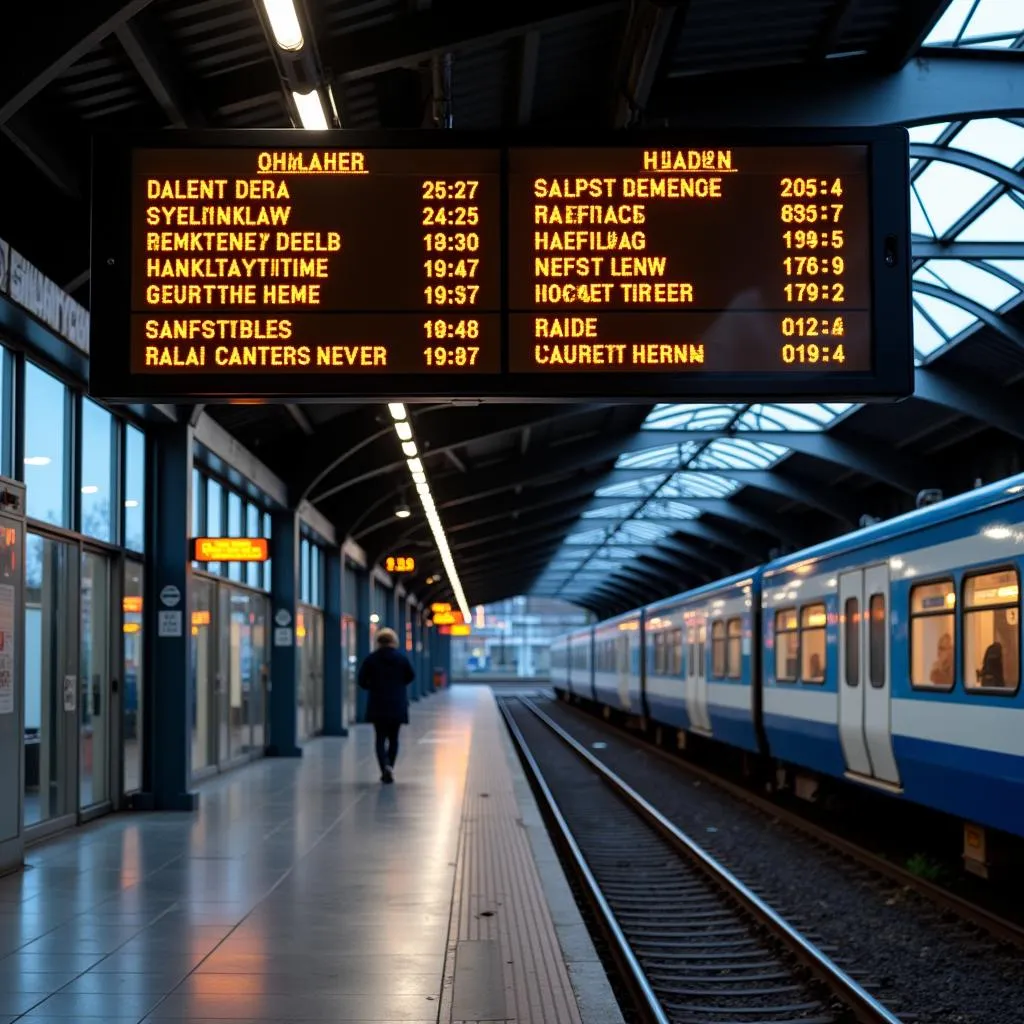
(889,375)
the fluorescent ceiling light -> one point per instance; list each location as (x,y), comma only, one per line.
(284,23)
(422,489)
(409,448)
(131,503)
(311,112)
(415,465)
(37,460)
(404,430)
(419,478)
(90,489)
(403,512)
(397,410)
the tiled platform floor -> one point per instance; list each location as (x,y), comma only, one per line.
(303,890)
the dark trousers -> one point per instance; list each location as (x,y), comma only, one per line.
(387,743)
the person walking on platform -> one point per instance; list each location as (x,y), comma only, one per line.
(385,675)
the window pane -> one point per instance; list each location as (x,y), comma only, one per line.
(254,570)
(97,471)
(991,589)
(314,576)
(198,526)
(852,654)
(931,650)
(214,516)
(787,645)
(734,651)
(718,649)
(44,414)
(304,572)
(933,597)
(267,563)
(876,640)
(235,569)
(992,633)
(135,488)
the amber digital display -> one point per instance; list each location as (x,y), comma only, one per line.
(253,264)
(400,564)
(229,549)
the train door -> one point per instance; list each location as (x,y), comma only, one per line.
(865,726)
(622,668)
(697,679)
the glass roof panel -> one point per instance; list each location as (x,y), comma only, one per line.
(950,319)
(992,137)
(699,485)
(948,27)
(919,223)
(977,23)
(973,281)
(668,456)
(1003,221)
(792,416)
(690,417)
(630,488)
(623,511)
(926,338)
(927,133)
(1015,268)
(739,453)
(592,537)
(948,192)
(633,531)
(668,510)
(621,554)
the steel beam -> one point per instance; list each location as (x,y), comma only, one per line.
(41,43)
(416,38)
(929,248)
(977,400)
(998,323)
(937,86)
(40,150)
(972,161)
(529,51)
(651,29)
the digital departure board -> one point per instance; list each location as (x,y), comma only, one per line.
(347,266)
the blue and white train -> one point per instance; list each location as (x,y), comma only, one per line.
(889,658)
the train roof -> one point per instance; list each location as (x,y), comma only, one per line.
(750,576)
(978,500)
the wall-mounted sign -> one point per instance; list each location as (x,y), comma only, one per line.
(400,563)
(461,629)
(201,618)
(131,605)
(229,549)
(440,606)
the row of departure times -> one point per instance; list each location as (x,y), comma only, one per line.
(460,276)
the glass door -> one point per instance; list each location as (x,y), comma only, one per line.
(349,668)
(131,700)
(259,672)
(204,593)
(50,686)
(316,622)
(94,682)
(247,662)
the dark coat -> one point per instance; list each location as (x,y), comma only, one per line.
(385,674)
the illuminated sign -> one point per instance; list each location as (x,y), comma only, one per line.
(451,618)
(445,630)
(400,563)
(131,605)
(461,630)
(201,617)
(229,549)
(440,606)
(749,264)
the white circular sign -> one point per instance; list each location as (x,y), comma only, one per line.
(170,596)
(283,617)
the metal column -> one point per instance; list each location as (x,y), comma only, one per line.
(334,697)
(284,659)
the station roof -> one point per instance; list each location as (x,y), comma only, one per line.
(606,506)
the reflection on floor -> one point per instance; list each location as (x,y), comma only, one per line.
(302,890)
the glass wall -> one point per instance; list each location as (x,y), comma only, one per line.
(46,465)
(134,488)
(94,681)
(512,639)
(309,636)
(131,628)
(96,500)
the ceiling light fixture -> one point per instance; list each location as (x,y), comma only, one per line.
(403,512)
(404,430)
(90,489)
(37,460)
(284,23)
(311,111)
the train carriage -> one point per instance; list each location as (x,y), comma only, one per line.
(617,650)
(581,663)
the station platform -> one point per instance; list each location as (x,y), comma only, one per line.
(305,890)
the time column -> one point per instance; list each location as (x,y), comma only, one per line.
(459,218)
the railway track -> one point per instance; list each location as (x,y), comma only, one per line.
(995,925)
(692,942)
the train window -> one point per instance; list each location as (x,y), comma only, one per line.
(877,623)
(659,653)
(991,631)
(932,635)
(734,651)
(851,660)
(718,649)
(812,643)
(787,645)
(677,652)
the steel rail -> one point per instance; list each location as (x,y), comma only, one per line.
(866,1008)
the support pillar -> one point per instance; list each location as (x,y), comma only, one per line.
(284,658)
(334,673)
(167,619)
(362,635)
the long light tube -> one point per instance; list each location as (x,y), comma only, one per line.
(403,428)
(284,23)
(311,110)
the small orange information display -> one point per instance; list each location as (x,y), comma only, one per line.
(448,618)
(400,563)
(461,629)
(229,549)
(440,606)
